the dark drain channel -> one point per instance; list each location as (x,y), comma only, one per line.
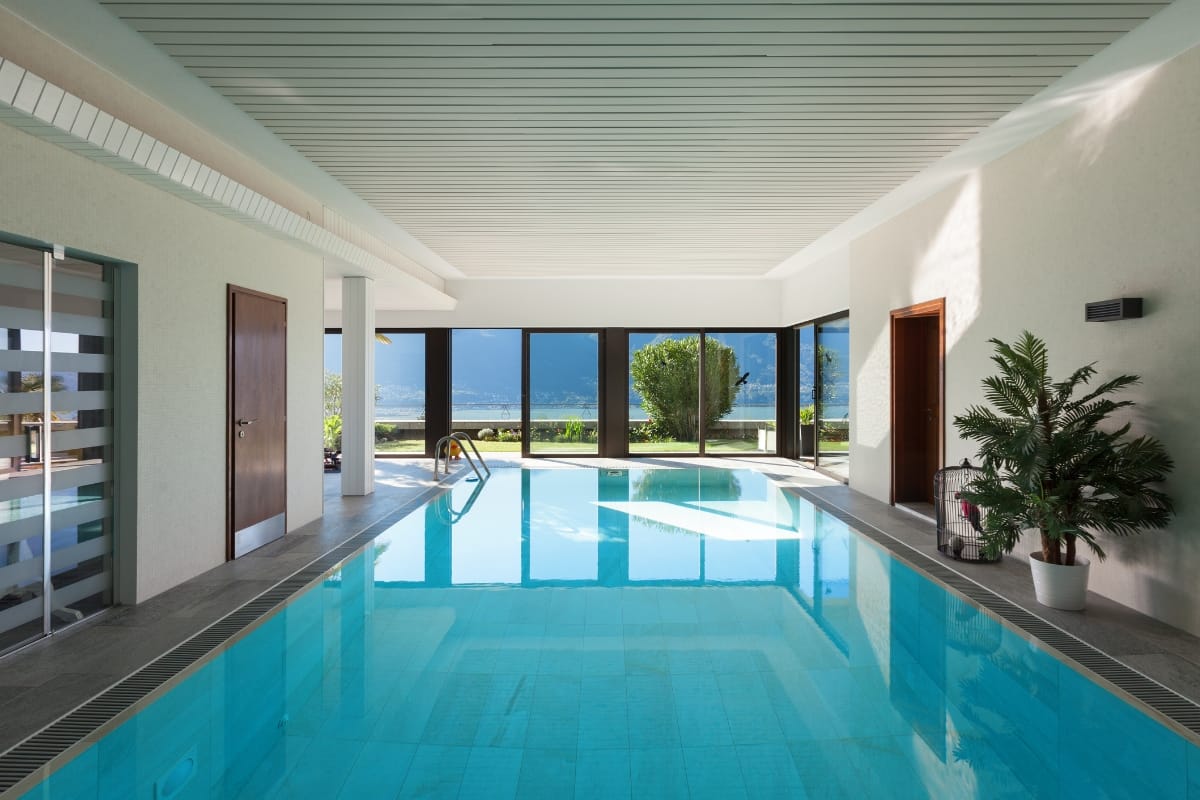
(1103,667)
(32,754)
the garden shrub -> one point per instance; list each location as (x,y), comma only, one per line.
(666,375)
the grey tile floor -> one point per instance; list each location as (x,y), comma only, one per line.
(44,681)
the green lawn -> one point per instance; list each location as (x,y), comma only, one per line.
(406,446)
(563,448)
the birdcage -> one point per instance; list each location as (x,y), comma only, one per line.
(959,521)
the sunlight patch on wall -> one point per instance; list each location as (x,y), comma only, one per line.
(1109,107)
(950,265)
(871,423)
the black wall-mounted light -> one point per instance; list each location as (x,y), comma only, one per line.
(1113,310)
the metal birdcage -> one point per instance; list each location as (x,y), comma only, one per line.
(959,522)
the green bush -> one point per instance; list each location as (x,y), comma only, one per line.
(573,432)
(835,432)
(385,432)
(666,375)
(513,435)
(486,435)
(333,432)
(649,432)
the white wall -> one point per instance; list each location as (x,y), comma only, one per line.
(1104,206)
(819,289)
(562,303)
(185,256)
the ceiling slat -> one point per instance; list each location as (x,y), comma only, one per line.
(626,138)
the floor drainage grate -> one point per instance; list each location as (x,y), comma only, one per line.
(1157,698)
(91,719)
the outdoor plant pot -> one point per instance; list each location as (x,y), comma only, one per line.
(1060,586)
(808,436)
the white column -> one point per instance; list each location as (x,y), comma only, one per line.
(358,385)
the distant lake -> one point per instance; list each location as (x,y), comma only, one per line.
(496,412)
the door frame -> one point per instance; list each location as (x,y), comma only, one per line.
(929,308)
(230,291)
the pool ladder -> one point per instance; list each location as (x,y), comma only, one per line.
(461,438)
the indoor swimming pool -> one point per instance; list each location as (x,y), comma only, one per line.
(632,633)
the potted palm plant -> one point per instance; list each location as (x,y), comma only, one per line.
(1049,466)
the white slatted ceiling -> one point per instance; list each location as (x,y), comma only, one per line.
(641,138)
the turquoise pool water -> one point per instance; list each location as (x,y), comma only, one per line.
(650,633)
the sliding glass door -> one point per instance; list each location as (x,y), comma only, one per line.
(664,393)
(739,373)
(806,391)
(564,393)
(833,406)
(400,393)
(736,413)
(56,445)
(485,386)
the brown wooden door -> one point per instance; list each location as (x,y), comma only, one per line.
(917,364)
(257,425)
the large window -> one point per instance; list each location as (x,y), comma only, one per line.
(664,392)
(485,386)
(806,391)
(551,392)
(564,393)
(332,401)
(833,406)
(400,393)
(739,370)
(736,414)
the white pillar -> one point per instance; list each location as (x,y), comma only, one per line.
(358,385)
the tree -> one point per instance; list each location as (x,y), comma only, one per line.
(333,394)
(831,375)
(1048,465)
(666,375)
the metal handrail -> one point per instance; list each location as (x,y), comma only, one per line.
(462,438)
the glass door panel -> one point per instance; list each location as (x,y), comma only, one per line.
(485,386)
(400,393)
(564,393)
(81,423)
(21,412)
(833,407)
(332,422)
(664,393)
(739,376)
(806,390)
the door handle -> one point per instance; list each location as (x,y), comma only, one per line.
(244,422)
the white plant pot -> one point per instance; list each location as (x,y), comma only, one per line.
(1060,586)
